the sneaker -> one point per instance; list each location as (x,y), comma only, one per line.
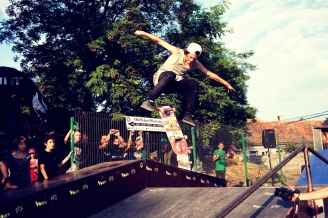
(148,105)
(189,120)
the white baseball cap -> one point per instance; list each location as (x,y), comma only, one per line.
(195,49)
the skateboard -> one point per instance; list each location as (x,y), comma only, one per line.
(172,129)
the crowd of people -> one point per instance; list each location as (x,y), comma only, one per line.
(25,165)
(22,167)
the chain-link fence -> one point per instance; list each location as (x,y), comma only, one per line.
(97,145)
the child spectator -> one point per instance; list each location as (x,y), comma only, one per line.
(79,153)
(218,156)
(49,160)
(18,163)
(135,146)
(33,165)
(183,160)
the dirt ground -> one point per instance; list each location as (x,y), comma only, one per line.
(235,174)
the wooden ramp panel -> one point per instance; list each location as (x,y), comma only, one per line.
(198,203)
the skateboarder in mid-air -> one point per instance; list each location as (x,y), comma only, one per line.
(170,76)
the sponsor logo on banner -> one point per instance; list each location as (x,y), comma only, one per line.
(144,124)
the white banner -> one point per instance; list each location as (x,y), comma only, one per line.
(144,124)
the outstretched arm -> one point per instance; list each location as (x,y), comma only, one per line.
(65,159)
(67,136)
(215,77)
(141,144)
(233,147)
(174,50)
(315,195)
(130,138)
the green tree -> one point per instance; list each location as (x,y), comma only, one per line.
(84,54)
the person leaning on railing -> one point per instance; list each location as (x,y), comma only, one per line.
(5,179)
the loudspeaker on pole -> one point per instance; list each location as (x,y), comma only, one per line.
(268,138)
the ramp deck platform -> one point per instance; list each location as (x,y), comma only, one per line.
(197,202)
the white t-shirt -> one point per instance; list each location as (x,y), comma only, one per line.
(185,159)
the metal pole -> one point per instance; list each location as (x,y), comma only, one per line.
(72,140)
(245,161)
(279,156)
(272,178)
(311,203)
(145,150)
(194,148)
(258,184)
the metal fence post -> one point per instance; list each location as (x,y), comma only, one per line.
(245,161)
(72,140)
(194,148)
(279,156)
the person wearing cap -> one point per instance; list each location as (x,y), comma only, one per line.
(134,149)
(164,153)
(170,76)
(33,165)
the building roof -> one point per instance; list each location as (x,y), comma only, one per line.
(289,132)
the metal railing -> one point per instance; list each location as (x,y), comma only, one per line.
(304,148)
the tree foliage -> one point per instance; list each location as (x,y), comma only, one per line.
(84,54)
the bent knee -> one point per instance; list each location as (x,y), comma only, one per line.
(194,84)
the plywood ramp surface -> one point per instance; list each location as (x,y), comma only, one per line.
(198,203)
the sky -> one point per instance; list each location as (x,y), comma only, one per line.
(290,41)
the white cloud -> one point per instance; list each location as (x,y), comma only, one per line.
(290,43)
(3,5)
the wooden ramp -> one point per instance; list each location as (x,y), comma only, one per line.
(197,202)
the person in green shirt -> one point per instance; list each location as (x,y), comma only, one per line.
(218,157)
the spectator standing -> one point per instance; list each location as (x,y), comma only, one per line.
(135,146)
(34,169)
(103,149)
(49,161)
(219,156)
(18,163)
(184,160)
(164,154)
(233,149)
(118,149)
(208,156)
(5,180)
(79,149)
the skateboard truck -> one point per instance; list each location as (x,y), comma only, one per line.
(178,139)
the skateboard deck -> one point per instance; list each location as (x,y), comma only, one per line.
(172,129)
